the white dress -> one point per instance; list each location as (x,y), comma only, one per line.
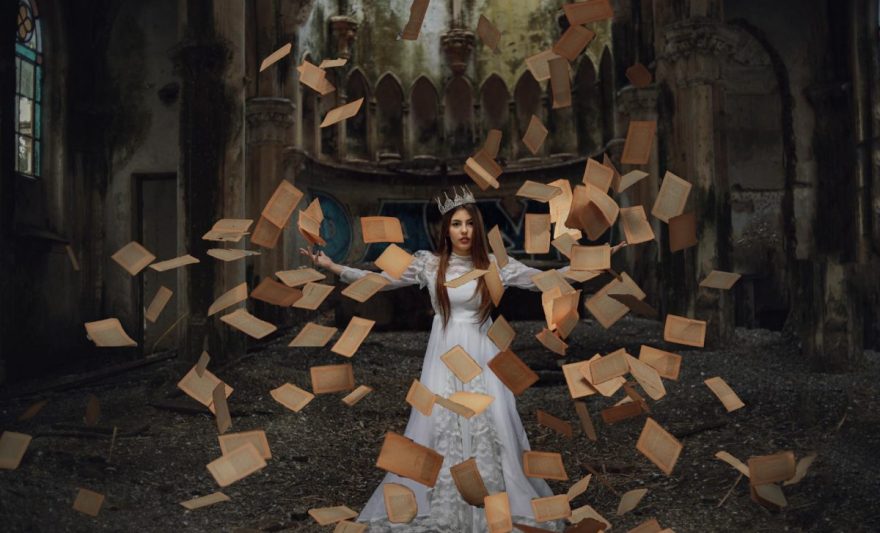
(495,437)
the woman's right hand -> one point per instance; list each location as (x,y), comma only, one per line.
(319,258)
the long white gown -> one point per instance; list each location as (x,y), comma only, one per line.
(495,437)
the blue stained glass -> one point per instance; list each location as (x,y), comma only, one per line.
(24,51)
(39,92)
(38,111)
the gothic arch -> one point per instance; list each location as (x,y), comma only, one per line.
(389,111)
(424,117)
(459,117)
(356,127)
(527,98)
(494,102)
(588,111)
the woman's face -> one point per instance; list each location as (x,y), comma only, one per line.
(461,231)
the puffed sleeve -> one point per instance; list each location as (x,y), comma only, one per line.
(516,274)
(413,275)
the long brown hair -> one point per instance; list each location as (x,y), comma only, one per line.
(479,255)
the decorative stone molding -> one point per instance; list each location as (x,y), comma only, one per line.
(344,30)
(269,120)
(635,102)
(699,36)
(458,45)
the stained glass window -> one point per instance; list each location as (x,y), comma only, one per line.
(28,89)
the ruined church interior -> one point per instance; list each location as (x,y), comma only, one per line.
(170,360)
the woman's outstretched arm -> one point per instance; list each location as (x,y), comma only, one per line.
(413,275)
(516,274)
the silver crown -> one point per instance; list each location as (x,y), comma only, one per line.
(466,197)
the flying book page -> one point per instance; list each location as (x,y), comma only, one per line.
(158,303)
(591,257)
(630,500)
(230,254)
(639,140)
(282,203)
(202,363)
(292,397)
(12,448)
(621,412)
(381,229)
(325,516)
(266,234)
(221,408)
(469,482)
(535,134)
(498,513)
(400,503)
(588,11)
(133,257)
(551,508)
(497,245)
(347,526)
(639,76)
(483,170)
(357,395)
(421,398)
(724,393)
(492,143)
(681,330)
(270,291)
(771,468)
(237,465)
(659,446)
(177,262)
(394,261)
(635,225)
(461,364)
(564,243)
(552,342)
(313,295)
(544,465)
(465,278)
(108,333)
(247,323)
(539,192)
(560,206)
(539,64)
(803,465)
(364,288)
(598,175)
(580,487)
(501,333)
(205,501)
(232,441)
(586,421)
(647,377)
(578,386)
(342,112)
(733,461)
(333,63)
(560,82)
(513,372)
(405,458)
(315,78)
(417,11)
(718,279)
(275,56)
(630,178)
(573,42)
(537,233)
(494,284)
(488,33)
(357,330)
(229,298)
(201,387)
(228,230)
(332,378)
(672,197)
(682,232)
(310,228)
(88,502)
(667,364)
(299,276)
(556,424)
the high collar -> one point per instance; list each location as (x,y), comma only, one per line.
(453,255)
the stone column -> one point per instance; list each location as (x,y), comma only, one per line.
(269,123)
(688,67)
(211,60)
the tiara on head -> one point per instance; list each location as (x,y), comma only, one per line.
(466,197)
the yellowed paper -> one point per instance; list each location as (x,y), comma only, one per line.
(133,257)
(631,178)
(647,377)
(801,469)
(649,526)
(247,323)
(270,291)
(718,279)
(157,304)
(394,261)
(108,333)
(544,465)
(535,135)
(539,192)
(356,395)
(342,112)
(346,526)
(312,335)
(635,225)
(201,387)
(282,203)
(682,232)
(177,262)
(733,461)
(205,501)
(489,34)
(292,397)
(483,170)
(461,364)
(545,281)
(232,441)
(236,465)
(537,233)
(566,325)
(364,288)
(74,263)
(667,364)
(588,11)
(578,386)
(539,64)
(769,493)
(228,230)
(221,408)
(639,76)
(564,243)
(469,482)
(501,333)
(357,330)
(560,206)
(230,254)
(630,500)
(659,446)
(381,229)
(586,512)
(497,245)
(573,42)
(771,468)
(88,502)
(275,56)
(12,448)
(639,140)
(300,276)
(591,257)
(332,378)
(580,487)
(465,278)
(681,330)
(607,310)
(605,368)
(598,175)
(494,283)
(405,458)
(325,516)
(512,371)
(229,298)
(587,425)
(556,424)
(400,503)
(498,513)
(315,78)
(421,398)
(724,393)
(310,228)
(551,508)
(313,295)
(671,199)
(552,342)
(417,11)
(333,63)
(560,82)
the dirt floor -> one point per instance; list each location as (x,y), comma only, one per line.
(325,454)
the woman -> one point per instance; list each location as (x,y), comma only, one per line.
(462,317)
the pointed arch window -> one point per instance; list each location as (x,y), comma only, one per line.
(28,89)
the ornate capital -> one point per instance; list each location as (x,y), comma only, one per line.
(269,120)
(458,45)
(344,29)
